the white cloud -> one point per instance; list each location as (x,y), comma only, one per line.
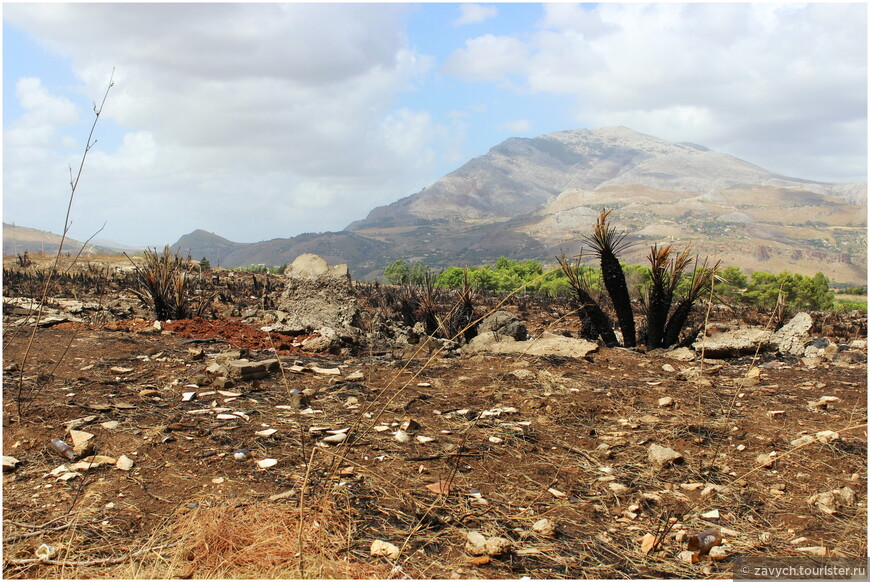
(475,13)
(518,126)
(285,109)
(760,81)
(489,58)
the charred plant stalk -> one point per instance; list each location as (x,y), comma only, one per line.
(702,277)
(665,274)
(590,312)
(607,244)
(659,303)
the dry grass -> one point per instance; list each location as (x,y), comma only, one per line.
(259,542)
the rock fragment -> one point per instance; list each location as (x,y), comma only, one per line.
(386,549)
(660,456)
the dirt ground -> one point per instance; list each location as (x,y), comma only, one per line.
(440,445)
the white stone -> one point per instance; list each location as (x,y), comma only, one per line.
(381,548)
(124,463)
(544,527)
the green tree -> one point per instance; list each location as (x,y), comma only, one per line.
(398,272)
(450,277)
(204,264)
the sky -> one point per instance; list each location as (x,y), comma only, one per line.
(263,121)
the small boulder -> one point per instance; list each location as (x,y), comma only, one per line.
(504,323)
(793,336)
(660,456)
(738,342)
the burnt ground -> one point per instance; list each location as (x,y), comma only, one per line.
(513,440)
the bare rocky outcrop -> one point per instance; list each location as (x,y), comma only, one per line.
(548,344)
(319,298)
(734,343)
(794,335)
(504,323)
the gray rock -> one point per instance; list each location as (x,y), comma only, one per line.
(327,341)
(245,370)
(547,344)
(660,456)
(504,323)
(319,296)
(680,354)
(793,336)
(738,342)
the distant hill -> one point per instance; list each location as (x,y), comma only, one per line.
(534,198)
(18,239)
(216,249)
(335,247)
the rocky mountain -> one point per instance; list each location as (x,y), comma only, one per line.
(18,239)
(534,198)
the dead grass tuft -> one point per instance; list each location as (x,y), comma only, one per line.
(263,542)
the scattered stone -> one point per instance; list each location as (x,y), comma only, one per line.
(110,424)
(830,502)
(688,557)
(827,436)
(92,462)
(555,492)
(764,459)
(712,514)
(245,370)
(266,463)
(668,368)
(335,439)
(424,439)
(357,376)
(124,463)
(283,495)
(120,370)
(326,371)
(544,527)
(475,543)
(523,374)
(818,551)
(680,354)
(149,392)
(81,441)
(666,401)
(402,436)
(775,413)
(619,488)
(266,432)
(410,424)
(765,537)
(647,542)
(660,456)
(80,422)
(496,546)
(824,401)
(380,548)
(188,396)
(9,463)
(804,440)
(718,553)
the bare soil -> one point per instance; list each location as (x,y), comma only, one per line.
(513,440)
